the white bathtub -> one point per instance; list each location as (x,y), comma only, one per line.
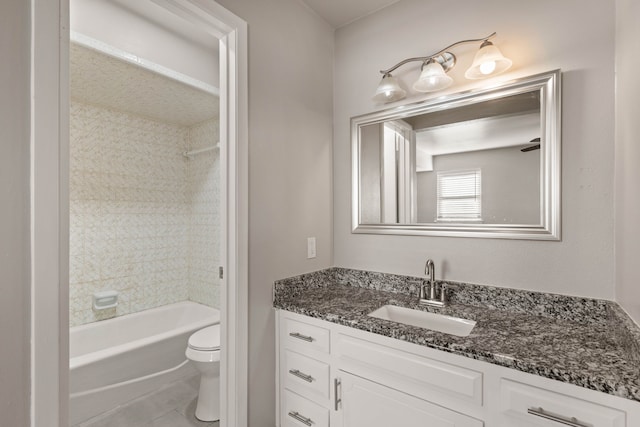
(123,349)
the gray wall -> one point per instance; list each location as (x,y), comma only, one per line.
(290,136)
(534,35)
(510,184)
(627,189)
(14,213)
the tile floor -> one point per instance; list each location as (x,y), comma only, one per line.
(173,405)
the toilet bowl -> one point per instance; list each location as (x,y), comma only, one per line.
(204,351)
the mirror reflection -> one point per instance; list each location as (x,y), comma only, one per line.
(478,164)
(474,164)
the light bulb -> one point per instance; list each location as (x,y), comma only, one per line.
(432,78)
(487,67)
(489,61)
(389,90)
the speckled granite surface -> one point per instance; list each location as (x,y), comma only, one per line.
(589,343)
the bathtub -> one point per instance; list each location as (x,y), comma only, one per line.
(116,360)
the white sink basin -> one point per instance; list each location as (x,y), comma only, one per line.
(424,319)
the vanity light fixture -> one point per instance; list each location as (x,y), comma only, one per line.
(389,90)
(489,61)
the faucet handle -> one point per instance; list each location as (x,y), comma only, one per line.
(442,293)
(422,293)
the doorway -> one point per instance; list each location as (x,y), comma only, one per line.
(50,181)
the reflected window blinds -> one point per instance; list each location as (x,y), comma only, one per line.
(459,196)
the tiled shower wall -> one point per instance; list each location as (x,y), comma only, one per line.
(203,176)
(139,213)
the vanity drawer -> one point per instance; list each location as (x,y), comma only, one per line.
(304,337)
(300,412)
(365,403)
(528,406)
(305,375)
(410,373)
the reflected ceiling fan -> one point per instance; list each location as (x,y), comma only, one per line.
(532,147)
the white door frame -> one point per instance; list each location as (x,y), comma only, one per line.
(50,206)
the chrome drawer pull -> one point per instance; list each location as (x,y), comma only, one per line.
(297,373)
(539,412)
(296,416)
(301,337)
(337,398)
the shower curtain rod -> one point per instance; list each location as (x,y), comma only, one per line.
(200,150)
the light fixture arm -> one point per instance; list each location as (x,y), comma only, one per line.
(440,52)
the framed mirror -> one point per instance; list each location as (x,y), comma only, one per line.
(483,163)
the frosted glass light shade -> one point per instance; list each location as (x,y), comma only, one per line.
(489,61)
(389,90)
(432,78)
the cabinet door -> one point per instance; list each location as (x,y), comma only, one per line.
(367,404)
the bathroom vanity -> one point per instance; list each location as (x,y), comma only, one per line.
(531,359)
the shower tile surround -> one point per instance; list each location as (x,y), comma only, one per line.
(204,194)
(586,342)
(143,219)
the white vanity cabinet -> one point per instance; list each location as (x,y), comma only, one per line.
(333,375)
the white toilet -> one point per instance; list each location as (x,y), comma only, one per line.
(204,351)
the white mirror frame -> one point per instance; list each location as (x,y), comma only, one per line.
(550,169)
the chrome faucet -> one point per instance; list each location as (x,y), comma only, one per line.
(430,272)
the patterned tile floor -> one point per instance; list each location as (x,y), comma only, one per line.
(173,405)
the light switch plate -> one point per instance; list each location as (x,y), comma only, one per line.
(311,247)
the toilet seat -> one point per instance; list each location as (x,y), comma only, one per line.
(207,339)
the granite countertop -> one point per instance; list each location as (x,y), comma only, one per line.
(589,343)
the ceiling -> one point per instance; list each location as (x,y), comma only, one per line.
(341,12)
(170,21)
(480,134)
(102,80)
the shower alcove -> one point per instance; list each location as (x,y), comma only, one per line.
(144,212)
